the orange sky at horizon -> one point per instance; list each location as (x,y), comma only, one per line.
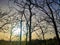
(6,36)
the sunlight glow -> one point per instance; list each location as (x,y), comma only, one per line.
(16,30)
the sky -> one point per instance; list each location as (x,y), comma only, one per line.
(4,6)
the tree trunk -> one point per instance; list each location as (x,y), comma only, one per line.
(30,24)
(26,32)
(30,28)
(54,23)
(20,30)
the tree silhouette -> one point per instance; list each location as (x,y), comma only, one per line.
(43,5)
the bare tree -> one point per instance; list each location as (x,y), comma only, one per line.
(42,5)
(50,14)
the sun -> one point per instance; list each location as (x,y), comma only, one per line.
(16,30)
